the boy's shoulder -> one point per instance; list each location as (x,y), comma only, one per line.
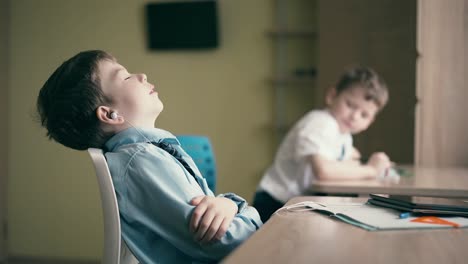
(318,116)
(318,121)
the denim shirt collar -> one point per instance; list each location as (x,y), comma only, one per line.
(134,135)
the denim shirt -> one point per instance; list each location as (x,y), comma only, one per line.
(154,191)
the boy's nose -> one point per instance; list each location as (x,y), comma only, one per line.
(143,77)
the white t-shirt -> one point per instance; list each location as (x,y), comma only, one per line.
(315,133)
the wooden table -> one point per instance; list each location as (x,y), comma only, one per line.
(435,182)
(308,237)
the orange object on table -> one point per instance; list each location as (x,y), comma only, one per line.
(434,220)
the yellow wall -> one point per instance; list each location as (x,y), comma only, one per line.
(3,110)
(54,207)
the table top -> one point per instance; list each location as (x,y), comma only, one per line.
(435,182)
(308,237)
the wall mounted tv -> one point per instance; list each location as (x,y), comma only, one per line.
(180,25)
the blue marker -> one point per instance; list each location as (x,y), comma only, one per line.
(405,215)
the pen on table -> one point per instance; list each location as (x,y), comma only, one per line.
(404,215)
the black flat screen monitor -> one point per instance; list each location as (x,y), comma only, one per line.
(182,25)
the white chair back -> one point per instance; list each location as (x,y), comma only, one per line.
(115,250)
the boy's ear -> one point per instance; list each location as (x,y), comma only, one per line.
(103,113)
(331,94)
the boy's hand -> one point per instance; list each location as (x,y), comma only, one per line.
(380,161)
(355,155)
(211,217)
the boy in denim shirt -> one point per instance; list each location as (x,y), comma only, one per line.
(167,211)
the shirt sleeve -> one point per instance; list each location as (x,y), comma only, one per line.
(315,136)
(239,201)
(158,194)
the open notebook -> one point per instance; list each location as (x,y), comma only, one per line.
(373,218)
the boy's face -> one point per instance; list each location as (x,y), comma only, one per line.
(351,110)
(133,97)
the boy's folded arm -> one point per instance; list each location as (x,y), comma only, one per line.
(245,221)
(161,188)
(211,217)
(326,169)
(242,227)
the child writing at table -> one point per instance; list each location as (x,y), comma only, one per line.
(168,214)
(320,146)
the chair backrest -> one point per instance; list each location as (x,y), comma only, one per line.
(201,151)
(115,251)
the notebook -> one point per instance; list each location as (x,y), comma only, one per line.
(423,205)
(373,218)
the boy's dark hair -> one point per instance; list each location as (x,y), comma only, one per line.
(68,101)
(375,86)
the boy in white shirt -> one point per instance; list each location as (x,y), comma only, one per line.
(320,145)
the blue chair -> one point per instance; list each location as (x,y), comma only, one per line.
(201,151)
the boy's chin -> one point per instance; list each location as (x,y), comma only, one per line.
(349,131)
(345,130)
(354,132)
(160,108)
